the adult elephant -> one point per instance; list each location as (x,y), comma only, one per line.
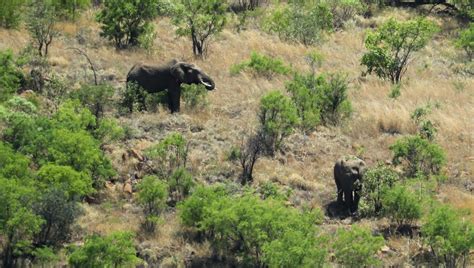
(169,77)
(348,175)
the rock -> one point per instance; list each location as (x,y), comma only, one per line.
(385,249)
(127,188)
(136,154)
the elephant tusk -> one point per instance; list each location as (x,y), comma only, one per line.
(204,83)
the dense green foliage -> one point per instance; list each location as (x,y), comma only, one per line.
(152,195)
(278,118)
(322,98)
(124,21)
(300,22)
(200,20)
(449,234)
(114,250)
(10,75)
(96,98)
(261,65)
(10,13)
(466,40)
(357,247)
(266,231)
(401,205)
(419,156)
(377,180)
(391,46)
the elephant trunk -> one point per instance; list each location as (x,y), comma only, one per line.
(207,82)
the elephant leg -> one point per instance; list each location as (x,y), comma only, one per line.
(348,199)
(339,192)
(356,201)
(174,97)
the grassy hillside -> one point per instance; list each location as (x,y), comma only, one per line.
(438,75)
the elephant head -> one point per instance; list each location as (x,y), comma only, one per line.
(190,74)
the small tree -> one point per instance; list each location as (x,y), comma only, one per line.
(377,180)
(401,206)
(426,128)
(449,235)
(357,247)
(278,118)
(124,21)
(466,40)
(180,184)
(200,20)
(420,156)
(40,23)
(68,8)
(391,46)
(300,22)
(152,195)
(115,250)
(250,150)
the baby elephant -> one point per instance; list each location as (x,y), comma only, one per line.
(348,173)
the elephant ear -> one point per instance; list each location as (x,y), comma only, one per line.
(177,71)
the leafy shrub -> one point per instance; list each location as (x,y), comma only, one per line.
(357,247)
(41,25)
(10,13)
(96,98)
(344,10)
(466,40)
(300,22)
(377,180)
(320,98)
(391,46)
(449,235)
(124,21)
(13,165)
(262,65)
(134,97)
(426,128)
(115,250)
(465,8)
(266,231)
(169,154)
(68,8)
(109,131)
(401,206)
(194,96)
(420,156)
(152,195)
(180,184)
(74,184)
(18,222)
(59,212)
(45,256)
(10,75)
(200,20)
(277,118)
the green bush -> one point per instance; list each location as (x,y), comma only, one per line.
(377,180)
(278,118)
(267,232)
(262,65)
(194,96)
(426,128)
(449,234)
(10,13)
(109,131)
(124,21)
(391,46)
(152,195)
(419,156)
(169,154)
(320,98)
(401,206)
(74,184)
(18,222)
(59,212)
(357,247)
(300,22)
(180,184)
(114,250)
(10,75)
(68,9)
(45,257)
(13,165)
(466,40)
(96,98)
(200,20)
